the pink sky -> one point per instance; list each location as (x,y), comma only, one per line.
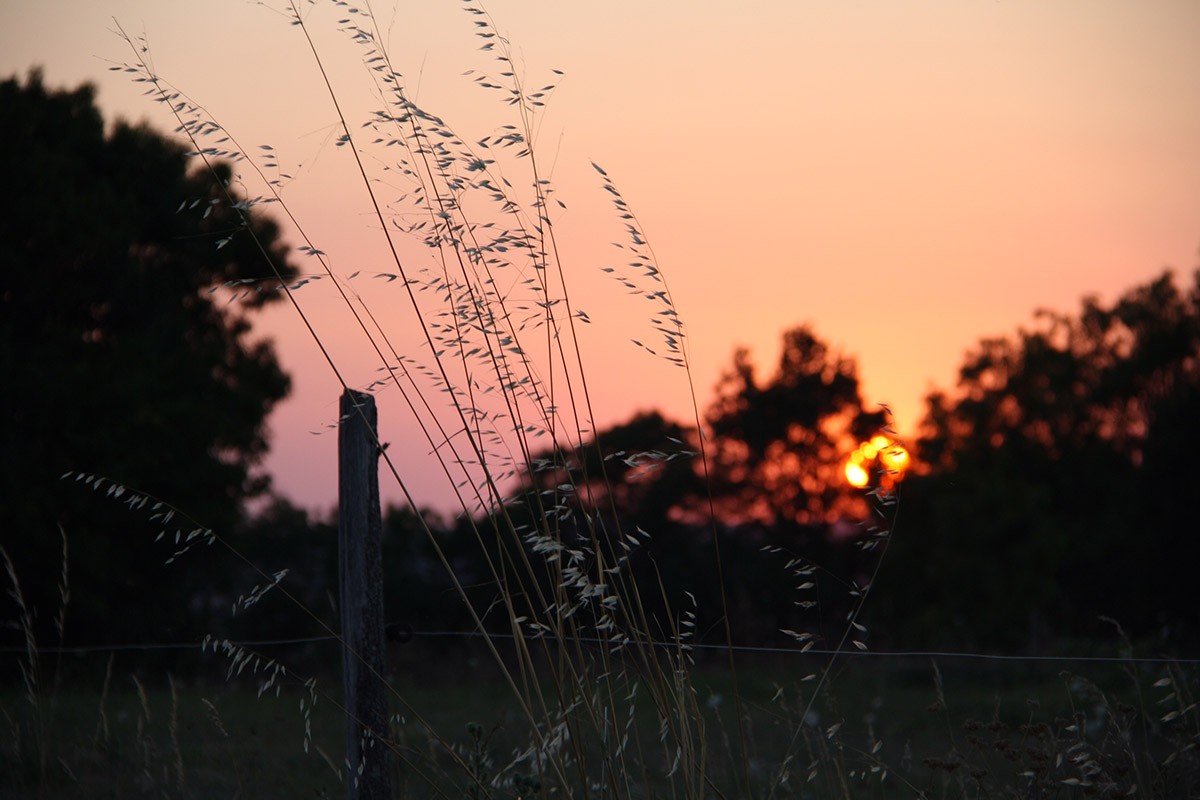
(907,177)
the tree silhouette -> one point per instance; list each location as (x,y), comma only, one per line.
(117,358)
(641,470)
(779,446)
(1061,475)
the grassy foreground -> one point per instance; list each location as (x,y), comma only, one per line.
(894,728)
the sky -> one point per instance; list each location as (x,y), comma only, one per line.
(906,177)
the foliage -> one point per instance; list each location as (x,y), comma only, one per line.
(1059,482)
(780,445)
(642,470)
(117,358)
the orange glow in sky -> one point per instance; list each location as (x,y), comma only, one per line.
(965,162)
(878,454)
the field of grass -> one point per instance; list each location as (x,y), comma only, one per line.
(880,728)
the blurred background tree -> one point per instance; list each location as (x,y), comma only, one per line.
(1056,488)
(777,483)
(1060,483)
(780,445)
(118,359)
(642,471)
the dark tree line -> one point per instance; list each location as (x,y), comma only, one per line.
(1053,494)
(1053,504)
(1061,480)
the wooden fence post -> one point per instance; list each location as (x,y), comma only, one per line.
(360,588)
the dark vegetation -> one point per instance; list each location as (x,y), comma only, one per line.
(1053,505)
(117,359)
(1054,489)
(1066,462)
(961,730)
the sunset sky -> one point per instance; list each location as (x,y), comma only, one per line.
(908,177)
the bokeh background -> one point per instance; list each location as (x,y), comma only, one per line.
(906,177)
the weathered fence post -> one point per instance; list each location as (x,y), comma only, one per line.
(360,587)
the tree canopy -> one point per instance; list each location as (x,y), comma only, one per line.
(780,444)
(118,358)
(1061,475)
(1054,494)
(777,448)
(641,470)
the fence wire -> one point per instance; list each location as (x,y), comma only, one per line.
(785,651)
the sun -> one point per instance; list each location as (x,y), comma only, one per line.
(890,458)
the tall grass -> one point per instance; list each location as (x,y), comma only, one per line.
(499,391)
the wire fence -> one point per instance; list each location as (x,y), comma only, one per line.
(783,651)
